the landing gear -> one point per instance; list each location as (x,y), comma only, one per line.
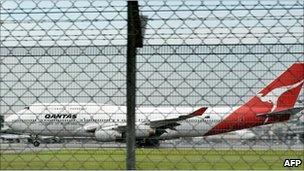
(36,143)
(57,140)
(34,140)
(301,138)
(148,143)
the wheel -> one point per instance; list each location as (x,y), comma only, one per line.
(36,143)
(154,143)
(301,138)
(148,143)
(57,140)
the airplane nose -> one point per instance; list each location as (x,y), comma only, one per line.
(1,121)
(10,119)
(7,125)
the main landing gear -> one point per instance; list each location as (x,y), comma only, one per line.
(34,140)
(147,143)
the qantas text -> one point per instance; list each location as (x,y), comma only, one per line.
(63,116)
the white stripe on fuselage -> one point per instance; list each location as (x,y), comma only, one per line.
(34,120)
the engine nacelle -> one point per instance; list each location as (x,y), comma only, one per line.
(144,131)
(107,135)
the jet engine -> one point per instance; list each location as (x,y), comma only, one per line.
(144,131)
(110,134)
(107,135)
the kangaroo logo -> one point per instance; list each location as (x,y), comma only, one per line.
(273,96)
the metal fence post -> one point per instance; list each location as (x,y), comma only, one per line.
(134,41)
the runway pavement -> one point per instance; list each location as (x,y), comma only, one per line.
(28,148)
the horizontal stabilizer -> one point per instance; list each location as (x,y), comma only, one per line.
(291,111)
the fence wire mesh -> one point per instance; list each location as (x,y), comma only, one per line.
(63,83)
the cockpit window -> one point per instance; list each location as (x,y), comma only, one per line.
(27,108)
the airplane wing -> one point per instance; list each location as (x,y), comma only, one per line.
(174,121)
(291,111)
(166,123)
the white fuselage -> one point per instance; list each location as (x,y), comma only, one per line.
(72,120)
(244,134)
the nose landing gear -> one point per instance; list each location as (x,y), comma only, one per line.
(36,143)
(34,140)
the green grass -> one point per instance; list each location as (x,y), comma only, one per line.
(151,159)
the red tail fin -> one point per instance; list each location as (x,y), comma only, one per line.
(283,92)
(279,95)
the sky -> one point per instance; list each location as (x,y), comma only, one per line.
(66,23)
(196,53)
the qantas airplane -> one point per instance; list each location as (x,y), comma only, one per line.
(274,103)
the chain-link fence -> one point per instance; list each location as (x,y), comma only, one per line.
(63,84)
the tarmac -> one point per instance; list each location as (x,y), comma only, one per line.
(19,148)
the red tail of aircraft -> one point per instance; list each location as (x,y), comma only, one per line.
(274,103)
